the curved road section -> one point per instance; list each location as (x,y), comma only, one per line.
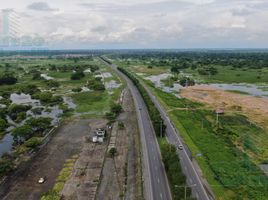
(154,175)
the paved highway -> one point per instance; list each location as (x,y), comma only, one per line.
(193,179)
(154,175)
(156,171)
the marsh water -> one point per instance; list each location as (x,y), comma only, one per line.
(250,89)
(54,112)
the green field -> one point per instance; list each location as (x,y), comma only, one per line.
(222,151)
(95,103)
(228,74)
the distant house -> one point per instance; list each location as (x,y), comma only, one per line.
(219,111)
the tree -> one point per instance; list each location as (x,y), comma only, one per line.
(77,75)
(22,133)
(3,124)
(7,79)
(116,108)
(30,89)
(39,124)
(33,142)
(175,69)
(112,152)
(186,81)
(52,83)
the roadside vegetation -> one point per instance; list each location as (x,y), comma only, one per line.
(231,150)
(176,178)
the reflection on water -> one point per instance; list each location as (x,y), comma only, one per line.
(6,144)
(251,89)
(53,112)
(112,84)
(69,102)
(45,76)
(23,99)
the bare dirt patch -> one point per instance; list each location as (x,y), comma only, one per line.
(85,176)
(254,108)
(67,142)
(121,175)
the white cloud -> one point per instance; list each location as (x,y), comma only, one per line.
(150,23)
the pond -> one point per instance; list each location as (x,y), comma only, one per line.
(251,89)
(23,99)
(69,102)
(46,77)
(6,144)
(53,112)
(112,84)
(157,81)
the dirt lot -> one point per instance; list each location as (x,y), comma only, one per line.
(85,176)
(66,143)
(254,108)
(121,176)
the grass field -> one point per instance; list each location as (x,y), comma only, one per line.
(221,151)
(231,75)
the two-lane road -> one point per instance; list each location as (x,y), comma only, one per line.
(155,180)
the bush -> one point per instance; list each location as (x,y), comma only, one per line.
(48,98)
(6,166)
(77,75)
(78,89)
(7,79)
(3,124)
(53,84)
(33,142)
(22,133)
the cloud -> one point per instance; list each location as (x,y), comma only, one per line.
(40,6)
(150,23)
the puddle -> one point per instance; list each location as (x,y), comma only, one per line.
(6,144)
(85,89)
(264,168)
(69,102)
(45,76)
(251,89)
(87,70)
(104,75)
(112,85)
(157,81)
(23,99)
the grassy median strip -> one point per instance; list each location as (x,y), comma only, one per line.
(176,178)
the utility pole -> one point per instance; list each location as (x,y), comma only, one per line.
(161,128)
(185,189)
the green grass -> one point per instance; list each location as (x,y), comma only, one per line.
(94,102)
(229,75)
(225,163)
(238,92)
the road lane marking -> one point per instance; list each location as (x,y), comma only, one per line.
(161,196)
(158,180)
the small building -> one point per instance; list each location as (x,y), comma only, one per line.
(219,111)
(100,132)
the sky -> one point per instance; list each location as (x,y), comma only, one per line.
(91,24)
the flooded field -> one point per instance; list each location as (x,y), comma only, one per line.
(249,89)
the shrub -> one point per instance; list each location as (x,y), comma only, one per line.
(77,75)
(7,79)
(33,142)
